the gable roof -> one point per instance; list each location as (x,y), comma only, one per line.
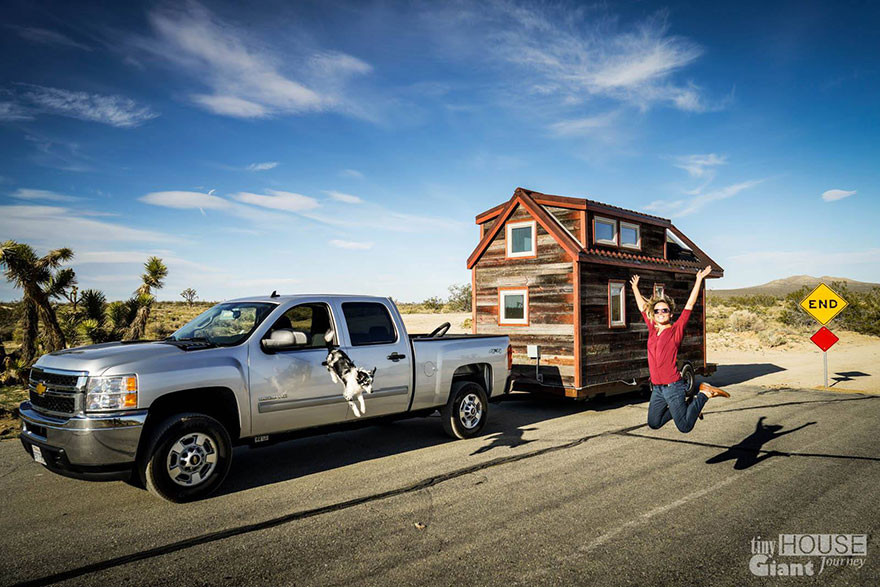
(534,203)
(522,198)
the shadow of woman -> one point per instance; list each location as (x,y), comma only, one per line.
(748,451)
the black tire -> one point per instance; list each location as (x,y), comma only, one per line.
(467,410)
(187,443)
(690,380)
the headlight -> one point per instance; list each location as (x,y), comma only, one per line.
(107,394)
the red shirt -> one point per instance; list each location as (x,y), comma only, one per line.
(663,349)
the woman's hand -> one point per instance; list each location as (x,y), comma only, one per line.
(704,273)
(634,281)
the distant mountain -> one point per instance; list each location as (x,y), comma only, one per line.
(781,287)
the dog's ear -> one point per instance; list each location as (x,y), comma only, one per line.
(373,372)
(328,336)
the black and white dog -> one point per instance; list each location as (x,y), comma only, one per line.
(356,382)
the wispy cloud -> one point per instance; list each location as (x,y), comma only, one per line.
(699,165)
(185,200)
(116,111)
(578,54)
(341,197)
(10,112)
(353,173)
(265,166)
(278,200)
(583,126)
(683,207)
(832,195)
(47,37)
(244,77)
(351,245)
(29,194)
(45,225)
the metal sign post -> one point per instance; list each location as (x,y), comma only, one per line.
(824,339)
(823,305)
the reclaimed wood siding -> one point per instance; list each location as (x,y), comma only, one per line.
(622,353)
(549,278)
(570,219)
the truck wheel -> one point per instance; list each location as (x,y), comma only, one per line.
(465,414)
(188,457)
(687,375)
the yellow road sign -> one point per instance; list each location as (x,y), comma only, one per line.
(823,304)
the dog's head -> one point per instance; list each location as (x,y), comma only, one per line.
(365,379)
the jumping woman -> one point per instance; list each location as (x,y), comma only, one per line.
(664,339)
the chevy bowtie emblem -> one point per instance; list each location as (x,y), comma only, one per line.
(41,388)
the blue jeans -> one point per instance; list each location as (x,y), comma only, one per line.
(668,403)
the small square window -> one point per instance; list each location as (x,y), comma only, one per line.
(604,231)
(658,290)
(513,306)
(616,304)
(630,236)
(521,239)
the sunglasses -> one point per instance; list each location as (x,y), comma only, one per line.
(661,311)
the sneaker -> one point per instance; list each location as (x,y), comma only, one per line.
(713,391)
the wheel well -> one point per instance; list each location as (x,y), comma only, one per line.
(217,402)
(479,373)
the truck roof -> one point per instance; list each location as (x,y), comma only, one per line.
(285,298)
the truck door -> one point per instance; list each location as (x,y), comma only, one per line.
(291,389)
(375,341)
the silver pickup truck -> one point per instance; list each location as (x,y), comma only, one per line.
(166,414)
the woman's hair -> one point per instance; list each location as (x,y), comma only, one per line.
(649,306)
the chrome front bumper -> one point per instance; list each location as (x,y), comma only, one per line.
(94,446)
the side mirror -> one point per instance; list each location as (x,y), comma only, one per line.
(283,339)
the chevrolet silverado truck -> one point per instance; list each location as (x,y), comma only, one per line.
(166,414)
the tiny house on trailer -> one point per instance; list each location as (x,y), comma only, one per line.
(553,272)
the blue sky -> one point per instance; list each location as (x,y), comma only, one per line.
(347,147)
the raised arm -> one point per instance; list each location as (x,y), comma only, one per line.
(696,291)
(640,301)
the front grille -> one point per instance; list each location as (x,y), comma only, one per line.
(64,404)
(53,379)
(59,391)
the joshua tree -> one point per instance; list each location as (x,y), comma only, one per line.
(189,294)
(35,276)
(93,324)
(155,272)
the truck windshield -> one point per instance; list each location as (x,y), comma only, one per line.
(225,324)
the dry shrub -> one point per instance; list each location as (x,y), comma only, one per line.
(745,321)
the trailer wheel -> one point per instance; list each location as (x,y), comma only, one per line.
(687,375)
(187,458)
(465,414)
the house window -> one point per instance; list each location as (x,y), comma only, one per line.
(604,231)
(616,304)
(521,239)
(513,306)
(658,290)
(630,236)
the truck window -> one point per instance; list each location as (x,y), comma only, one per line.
(368,323)
(313,320)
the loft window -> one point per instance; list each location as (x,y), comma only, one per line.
(616,304)
(630,236)
(658,290)
(521,239)
(513,306)
(604,231)
(676,249)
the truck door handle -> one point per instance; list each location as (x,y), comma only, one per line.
(395,356)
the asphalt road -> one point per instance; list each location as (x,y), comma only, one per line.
(553,493)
